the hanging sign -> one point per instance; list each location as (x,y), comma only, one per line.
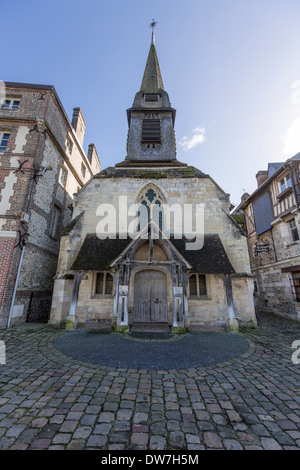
(123,290)
(261,248)
(177,291)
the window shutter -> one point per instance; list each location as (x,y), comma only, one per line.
(151,131)
(151,97)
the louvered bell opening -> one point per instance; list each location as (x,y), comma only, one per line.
(151,131)
(151,97)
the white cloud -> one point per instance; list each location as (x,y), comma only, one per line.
(292,139)
(197,137)
(296,92)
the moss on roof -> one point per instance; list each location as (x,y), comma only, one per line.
(151,173)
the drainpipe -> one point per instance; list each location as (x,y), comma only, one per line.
(15,288)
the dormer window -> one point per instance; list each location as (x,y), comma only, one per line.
(151,97)
(285,183)
(151,132)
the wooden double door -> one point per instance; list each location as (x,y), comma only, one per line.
(150,297)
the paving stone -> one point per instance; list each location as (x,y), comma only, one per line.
(41,444)
(287,424)
(177,440)
(19,446)
(98,441)
(124,415)
(205,426)
(82,432)
(28,435)
(88,420)
(260,430)
(157,443)
(62,438)
(139,418)
(231,444)
(68,426)
(270,444)
(192,439)
(283,439)
(212,440)
(139,439)
(103,428)
(119,438)
(15,430)
(106,417)
(120,426)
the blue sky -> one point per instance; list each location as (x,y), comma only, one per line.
(231,68)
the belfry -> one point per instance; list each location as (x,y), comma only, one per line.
(132,259)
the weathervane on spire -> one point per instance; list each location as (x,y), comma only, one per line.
(152,26)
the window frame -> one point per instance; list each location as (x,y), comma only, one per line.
(104,294)
(2,134)
(198,295)
(11,105)
(285,183)
(65,171)
(296,288)
(293,230)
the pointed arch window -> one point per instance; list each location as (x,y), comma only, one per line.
(151,199)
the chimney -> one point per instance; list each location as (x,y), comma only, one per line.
(93,158)
(261,177)
(78,124)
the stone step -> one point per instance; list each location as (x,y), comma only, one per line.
(150,335)
(150,328)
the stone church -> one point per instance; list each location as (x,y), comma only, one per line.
(131,259)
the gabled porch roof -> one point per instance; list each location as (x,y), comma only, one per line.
(96,254)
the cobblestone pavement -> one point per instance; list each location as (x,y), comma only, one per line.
(50,401)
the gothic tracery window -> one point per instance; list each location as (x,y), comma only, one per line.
(152,200)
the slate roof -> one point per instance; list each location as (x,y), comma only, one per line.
(97,255)
(210,259)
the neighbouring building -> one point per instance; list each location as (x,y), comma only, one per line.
(272,219)
(42,165)
(146,278)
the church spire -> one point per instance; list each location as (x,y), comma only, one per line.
(151,136)
(152,80)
